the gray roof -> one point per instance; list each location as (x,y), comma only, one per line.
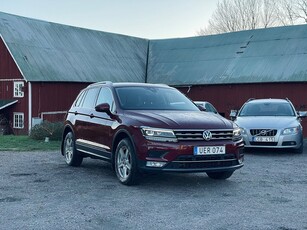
(53,52)
(47,51)
(255,56)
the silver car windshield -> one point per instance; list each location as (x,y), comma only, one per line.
(267,109)
(153,98)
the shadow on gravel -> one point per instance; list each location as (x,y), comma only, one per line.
(94,169)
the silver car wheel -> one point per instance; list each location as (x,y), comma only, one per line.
(124,163)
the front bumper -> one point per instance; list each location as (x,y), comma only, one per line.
(180,158)
(280,141)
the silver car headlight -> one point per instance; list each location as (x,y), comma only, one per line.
(243,131)
(156,134)
(291,131)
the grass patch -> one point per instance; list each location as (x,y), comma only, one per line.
(25,143)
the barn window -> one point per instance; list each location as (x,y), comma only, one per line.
(18,122)
(18,89)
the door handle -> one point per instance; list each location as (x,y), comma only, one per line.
(92,115)
(76,112)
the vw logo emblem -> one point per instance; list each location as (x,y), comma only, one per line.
(207,135)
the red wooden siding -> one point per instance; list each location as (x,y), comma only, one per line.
(53,97)
(227,97)
(8,72)
(8,68)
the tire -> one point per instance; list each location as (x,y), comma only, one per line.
(220,175)
(125,163)
(72,156)
(300,149)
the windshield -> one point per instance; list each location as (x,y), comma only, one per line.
(267,109)
(153,98)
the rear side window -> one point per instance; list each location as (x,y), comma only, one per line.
(80,99)
(90,98)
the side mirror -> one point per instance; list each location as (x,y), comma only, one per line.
(104,108)
(201,108)
(233,114)
(302,114)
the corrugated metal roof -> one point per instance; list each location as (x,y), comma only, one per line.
(255,56)
(47,51)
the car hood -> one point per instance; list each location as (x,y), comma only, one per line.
(179,119)
(266,122)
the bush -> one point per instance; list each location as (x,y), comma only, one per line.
(53,130)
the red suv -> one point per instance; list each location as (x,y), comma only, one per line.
(141,127)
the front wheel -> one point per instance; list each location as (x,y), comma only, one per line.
(126,163)
(220,175)
(72,156)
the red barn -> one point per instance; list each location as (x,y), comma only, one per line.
(228,69)
(44,65)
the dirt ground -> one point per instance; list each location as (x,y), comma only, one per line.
(38,191)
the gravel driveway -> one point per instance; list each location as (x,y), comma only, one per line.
(38,191)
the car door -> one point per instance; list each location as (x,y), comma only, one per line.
(83,120)
(104,124)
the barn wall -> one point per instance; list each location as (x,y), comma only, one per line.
(228,97)
(8,68)
(9,73)
(50,99)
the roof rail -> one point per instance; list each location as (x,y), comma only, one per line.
(101,83)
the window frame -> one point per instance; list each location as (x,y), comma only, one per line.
(18,120)
(17,89)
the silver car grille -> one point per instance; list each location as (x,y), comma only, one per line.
(263,132)
(197,134)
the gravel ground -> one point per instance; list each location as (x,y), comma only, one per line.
(38,191)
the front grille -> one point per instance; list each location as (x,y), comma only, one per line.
(263,132)
(198,162)
(197,134)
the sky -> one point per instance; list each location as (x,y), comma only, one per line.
(152,19)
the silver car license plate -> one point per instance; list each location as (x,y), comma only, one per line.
(264,139)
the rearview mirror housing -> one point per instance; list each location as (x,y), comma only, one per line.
(233,114)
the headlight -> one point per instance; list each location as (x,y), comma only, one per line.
(155,134)
(237,134)
(290,131)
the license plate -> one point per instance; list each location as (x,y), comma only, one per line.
(208,150)
(264,139)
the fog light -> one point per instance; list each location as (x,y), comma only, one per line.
(156,164)
(241,160)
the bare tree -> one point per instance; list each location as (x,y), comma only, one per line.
(236,15)
(286,12)
(301,10)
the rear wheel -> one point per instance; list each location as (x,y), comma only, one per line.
(220,175)
(72,156)
(126,163)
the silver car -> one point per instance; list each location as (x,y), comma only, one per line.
(270,123)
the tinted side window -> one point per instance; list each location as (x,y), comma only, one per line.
(90,98)
(105,96)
